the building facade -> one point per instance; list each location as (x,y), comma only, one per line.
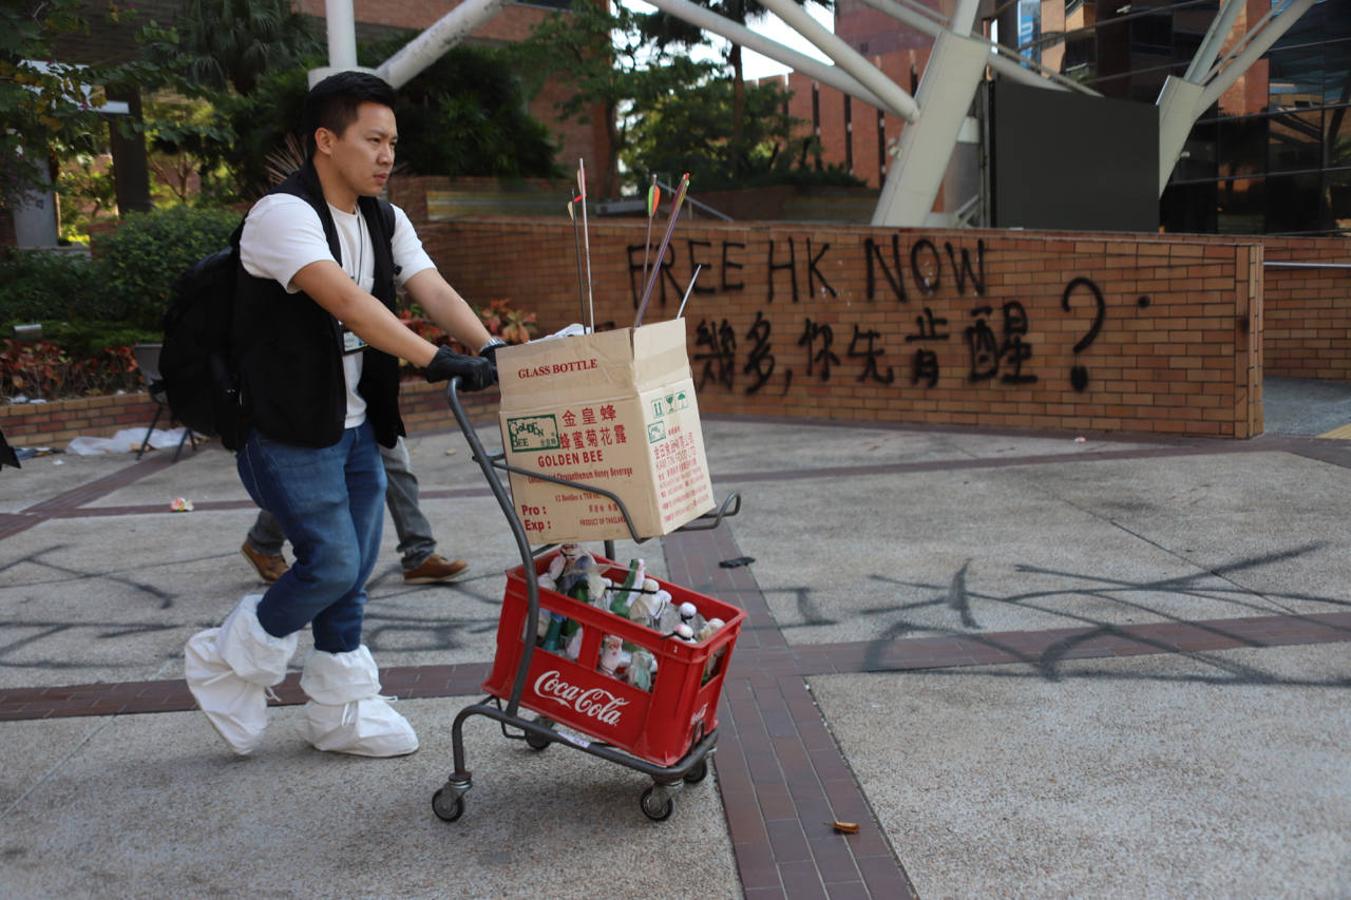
(1272,156)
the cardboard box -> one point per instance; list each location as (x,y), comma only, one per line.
(616,410)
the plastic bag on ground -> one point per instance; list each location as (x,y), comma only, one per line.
(125,441)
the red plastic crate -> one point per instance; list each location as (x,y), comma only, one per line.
(659,727)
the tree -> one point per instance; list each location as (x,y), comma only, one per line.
(689,130)
(235,42)
(610,64)
(667,30)
(187,141)
(42,102)
(466,115)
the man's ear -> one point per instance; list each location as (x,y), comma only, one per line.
(324,140)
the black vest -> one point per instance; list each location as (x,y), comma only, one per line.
(288,349)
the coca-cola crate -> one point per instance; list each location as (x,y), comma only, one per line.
(660,726)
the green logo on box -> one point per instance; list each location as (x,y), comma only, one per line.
(671,403)
(530,433)
(656,432)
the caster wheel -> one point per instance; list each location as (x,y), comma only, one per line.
(656,805)
(535,742)
(698,773)
(447,805)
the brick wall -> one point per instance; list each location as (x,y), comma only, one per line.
(1308,311)
(893,326)
(54,424)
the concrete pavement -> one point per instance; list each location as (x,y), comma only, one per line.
(1065,771)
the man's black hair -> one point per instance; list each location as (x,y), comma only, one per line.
(333,102)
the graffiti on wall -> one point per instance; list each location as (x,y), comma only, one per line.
(994,335)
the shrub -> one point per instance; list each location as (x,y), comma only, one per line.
(141,260)
(37,285)
(45,369)
(511,325)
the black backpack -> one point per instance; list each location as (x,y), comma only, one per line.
(195,364)
(199,381)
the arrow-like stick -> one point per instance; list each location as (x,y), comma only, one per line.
(577,246)
(586,242)
(653,201)
(686,299)
(676,204)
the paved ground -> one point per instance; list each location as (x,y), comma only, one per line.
(1023,664)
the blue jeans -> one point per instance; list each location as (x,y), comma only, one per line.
(401,496)
(328,501)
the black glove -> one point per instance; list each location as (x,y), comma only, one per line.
(490,354)
(476,372)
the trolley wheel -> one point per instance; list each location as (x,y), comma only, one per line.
(657,804)
(698,772)
(535,742)
(448,806)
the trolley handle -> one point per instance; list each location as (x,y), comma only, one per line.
(517,531)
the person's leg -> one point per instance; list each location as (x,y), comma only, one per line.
(229,669)
(337,628)
(415,532)
(417,547)
(305,488)
(266,536)
(262,547)
(346,713)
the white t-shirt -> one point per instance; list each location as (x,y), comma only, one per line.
(283,234)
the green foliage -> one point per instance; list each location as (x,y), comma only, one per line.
(260,124)
(466,115)
(48,370)
(142,259)
(41,101)
(88,193)
(40,285)
(688,129)
(81,350)
(82,338)
(607,61)
(186,137)
(233,43)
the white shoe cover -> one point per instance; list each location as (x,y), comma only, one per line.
(346,713)
(230,668)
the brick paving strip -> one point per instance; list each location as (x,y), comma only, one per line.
(903,655)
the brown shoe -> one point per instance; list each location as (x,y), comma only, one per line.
(270,566)
(435,568)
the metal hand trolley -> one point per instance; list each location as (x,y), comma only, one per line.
(516,638)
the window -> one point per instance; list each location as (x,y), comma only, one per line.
(1243,146)
(1292,203)
(1337,136)
(1296,141)
(1296,77)
(1337,198)
(1240,206)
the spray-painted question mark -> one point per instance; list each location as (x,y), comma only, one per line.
(1079,374)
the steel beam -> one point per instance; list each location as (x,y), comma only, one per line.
(1211,44)
(1183,100)
(846,57)
(432,44)
(743,36)
(946,89)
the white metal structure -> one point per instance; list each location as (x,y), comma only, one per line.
(1183,100)
(936,117)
